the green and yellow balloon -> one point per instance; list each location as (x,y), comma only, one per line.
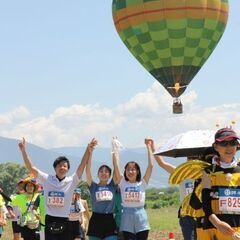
(172,39)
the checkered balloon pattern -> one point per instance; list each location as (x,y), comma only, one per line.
(172,39)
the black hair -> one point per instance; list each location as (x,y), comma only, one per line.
(215,152)
(61,159)
(139,176)
(107,167)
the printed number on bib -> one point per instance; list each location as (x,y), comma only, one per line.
(229,200)
(132,197)
(189,187)
(104,195)
(55,199)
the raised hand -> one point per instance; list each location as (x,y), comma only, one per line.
(92,145)
(22,145)
(116,145)
(149,143)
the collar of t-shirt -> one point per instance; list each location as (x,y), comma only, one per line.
(216,160)
(59,179)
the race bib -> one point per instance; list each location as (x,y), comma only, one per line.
(188,187)
(55,199)
(104,195)
(229,200)
(134,197)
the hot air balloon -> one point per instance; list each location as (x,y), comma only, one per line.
(172,39)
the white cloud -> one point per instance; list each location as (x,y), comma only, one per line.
(17,115)
(148,113)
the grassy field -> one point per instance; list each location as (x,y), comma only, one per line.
(162,221)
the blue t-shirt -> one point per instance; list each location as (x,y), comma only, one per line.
(103,197)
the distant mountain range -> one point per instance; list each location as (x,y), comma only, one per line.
(43,159)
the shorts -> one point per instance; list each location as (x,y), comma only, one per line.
(76,230)
(15,227)
(64,235)
(134,220)
(30,234)
(102,225)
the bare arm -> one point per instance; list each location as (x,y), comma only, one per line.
(163,164)
(90,149)
(148,173)
(87,155)
(116,168)
(221,225)
(87,213)
(28,163)
(115,159)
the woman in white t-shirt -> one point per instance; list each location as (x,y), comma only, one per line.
(134,221)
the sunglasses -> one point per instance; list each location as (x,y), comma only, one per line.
(228,143)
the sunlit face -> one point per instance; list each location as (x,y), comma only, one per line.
(103,174)
(20,187)
(61,169)
(227,149)
(131,172)
(76,196)
(30,187)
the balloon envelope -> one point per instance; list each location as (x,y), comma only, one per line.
(172,39)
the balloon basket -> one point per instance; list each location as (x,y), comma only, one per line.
(177,106)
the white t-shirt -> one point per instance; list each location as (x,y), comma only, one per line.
(185,188)
(57,194)
(133,194)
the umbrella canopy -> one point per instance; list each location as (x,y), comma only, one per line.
(190,143)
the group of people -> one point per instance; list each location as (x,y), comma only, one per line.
(26,211)
(53,212)
(57,207)
(210,207)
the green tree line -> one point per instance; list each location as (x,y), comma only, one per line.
(163,197)
(11,173)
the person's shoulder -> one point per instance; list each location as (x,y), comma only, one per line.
(112,183)
(72,177)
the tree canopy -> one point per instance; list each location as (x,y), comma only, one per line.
(11,173)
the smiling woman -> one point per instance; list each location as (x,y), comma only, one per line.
(134,219)
(220,193)
(102,224)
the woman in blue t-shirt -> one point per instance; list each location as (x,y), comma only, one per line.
(102,224)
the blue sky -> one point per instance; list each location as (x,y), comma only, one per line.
(66,77)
